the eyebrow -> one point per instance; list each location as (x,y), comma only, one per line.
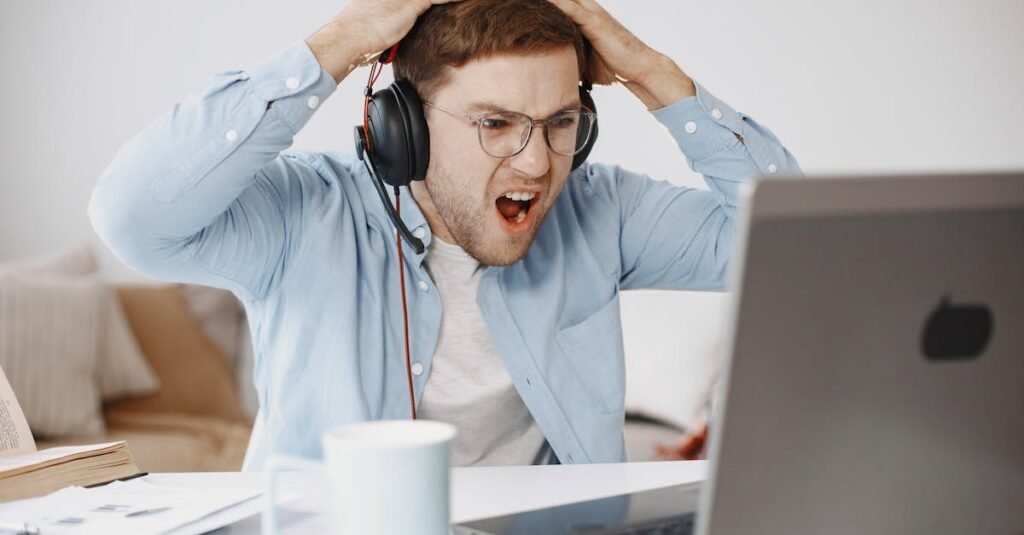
(486,107)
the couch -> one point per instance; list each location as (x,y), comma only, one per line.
(91,361)
(195,421)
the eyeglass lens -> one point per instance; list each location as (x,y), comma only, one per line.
(503,134)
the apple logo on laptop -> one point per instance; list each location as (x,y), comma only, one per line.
(956,331)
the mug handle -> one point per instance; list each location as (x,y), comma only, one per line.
(276,464)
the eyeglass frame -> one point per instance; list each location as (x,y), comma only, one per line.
(583,110)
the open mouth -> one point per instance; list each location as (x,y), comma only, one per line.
(516,210)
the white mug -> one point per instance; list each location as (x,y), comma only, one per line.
(386,477)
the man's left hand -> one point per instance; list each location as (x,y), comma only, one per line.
(619,56)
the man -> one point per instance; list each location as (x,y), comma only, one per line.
(514,318)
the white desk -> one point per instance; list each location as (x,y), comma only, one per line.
(476,492)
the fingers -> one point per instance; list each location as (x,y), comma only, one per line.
(691,445)
(572,8)
(592,19)
(668,453)
(582,7)
(591,5)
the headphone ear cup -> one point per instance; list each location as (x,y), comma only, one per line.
(588,102)
(416,128)
(398,134)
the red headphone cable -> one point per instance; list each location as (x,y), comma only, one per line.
(375,71)
(405,309)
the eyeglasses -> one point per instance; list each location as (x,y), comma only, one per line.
(504,134)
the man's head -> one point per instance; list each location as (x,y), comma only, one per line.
(481,56)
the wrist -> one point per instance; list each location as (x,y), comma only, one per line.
(661,83)
(336,49)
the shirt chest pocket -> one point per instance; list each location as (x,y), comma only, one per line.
(592,358)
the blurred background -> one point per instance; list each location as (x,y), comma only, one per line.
(849,87)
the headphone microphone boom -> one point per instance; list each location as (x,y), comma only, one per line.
(378,184)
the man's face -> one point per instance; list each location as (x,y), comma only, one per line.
(464,194)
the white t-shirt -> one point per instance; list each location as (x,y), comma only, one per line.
(468,385)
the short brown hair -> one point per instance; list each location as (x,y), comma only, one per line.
(450,35)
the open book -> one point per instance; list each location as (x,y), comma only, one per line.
(26,472)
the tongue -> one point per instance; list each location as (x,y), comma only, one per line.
(508,208)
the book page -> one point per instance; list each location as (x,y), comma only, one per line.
(53,455)
(15,436)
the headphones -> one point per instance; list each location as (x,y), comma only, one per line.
(394,141)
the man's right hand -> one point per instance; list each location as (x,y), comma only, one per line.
(364,28)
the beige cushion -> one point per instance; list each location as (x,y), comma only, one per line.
(124,371)
(49,340)
(194,374)
(222,318)
(218,313)
(173,442)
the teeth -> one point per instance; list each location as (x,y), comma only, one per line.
(520,195)
(521,216)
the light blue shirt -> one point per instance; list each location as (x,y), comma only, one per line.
(206,195)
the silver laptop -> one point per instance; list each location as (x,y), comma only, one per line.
(876,382)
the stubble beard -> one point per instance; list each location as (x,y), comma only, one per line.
(467,224)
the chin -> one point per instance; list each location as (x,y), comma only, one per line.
(501,255)
(495,248)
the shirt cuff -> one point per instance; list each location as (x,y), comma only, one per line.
(294,83)
(702,125)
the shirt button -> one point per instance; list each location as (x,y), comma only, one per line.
(313,102)
(420,232)
(423,286)
(292,83)
(417,369)
(772,169)
(716,113)
(231,135)
(690,127)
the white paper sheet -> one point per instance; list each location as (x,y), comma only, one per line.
(135,506)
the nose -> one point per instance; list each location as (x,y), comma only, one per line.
(534,160)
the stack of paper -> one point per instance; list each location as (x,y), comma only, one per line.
(135,506)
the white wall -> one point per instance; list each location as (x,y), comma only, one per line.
(848,86)
(867,86)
